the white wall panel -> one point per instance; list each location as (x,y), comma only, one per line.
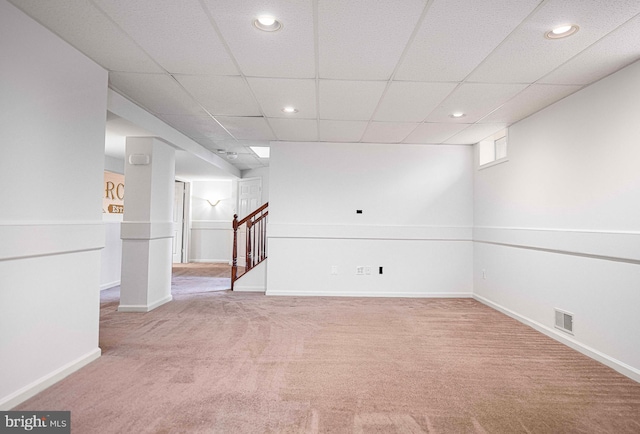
(52,130)
(416,219)
(411,268)
(557,226)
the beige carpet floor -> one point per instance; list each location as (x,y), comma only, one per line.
(213,361)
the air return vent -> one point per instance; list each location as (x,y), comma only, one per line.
(564,321)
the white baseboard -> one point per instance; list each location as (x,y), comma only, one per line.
(241,288)
(212,261)
(8,402)
(144,307)
(373,294)
(109,285)
(623,368)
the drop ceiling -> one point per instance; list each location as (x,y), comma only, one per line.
(356,70)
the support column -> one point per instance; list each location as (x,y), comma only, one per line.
(147,228)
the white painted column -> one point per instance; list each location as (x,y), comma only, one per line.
(147,228)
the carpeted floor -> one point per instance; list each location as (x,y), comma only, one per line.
(213,361)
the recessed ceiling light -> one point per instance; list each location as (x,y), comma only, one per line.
(221,151)
(290,109)
(261,151)
(457,115)
(562,31)
(267,23)
(232,155)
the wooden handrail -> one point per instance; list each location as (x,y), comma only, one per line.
(256,240)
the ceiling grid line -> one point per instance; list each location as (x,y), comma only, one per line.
(412,37)
(225,44)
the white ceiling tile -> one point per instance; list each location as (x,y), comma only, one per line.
(457,35)
(197,126)
(358,40)
(295,130)
(529,101)
(475,133)
(527,55)
(388,132)
(178,35)
(411,101)
(273,94)
(247,128)
(87,29)
(289,52)
(342,131)
(159,93)
(225,96)
(606,56)
(349,100)
(434,133)
(476,100)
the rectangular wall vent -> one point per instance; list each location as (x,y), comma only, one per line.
(564,321)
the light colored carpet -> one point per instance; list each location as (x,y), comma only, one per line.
(213,361)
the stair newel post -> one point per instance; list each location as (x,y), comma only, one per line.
(234,264)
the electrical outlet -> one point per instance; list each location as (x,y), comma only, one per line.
(334,269)
(359,270)
(367,271)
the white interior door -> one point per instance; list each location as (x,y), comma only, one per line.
(249,196)
(178,221)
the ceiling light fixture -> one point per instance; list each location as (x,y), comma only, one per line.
(457,115)
(562,31)
(232,155)
(267,24)
(290,109)
(261,151)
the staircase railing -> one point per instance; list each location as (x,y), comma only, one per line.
(255,232)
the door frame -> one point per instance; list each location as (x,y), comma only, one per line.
(186,221)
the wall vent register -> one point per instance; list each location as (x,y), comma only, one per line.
(564,321)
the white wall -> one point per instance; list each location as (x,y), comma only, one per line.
(558,225)
(212,226)
(52,126)
(416,219)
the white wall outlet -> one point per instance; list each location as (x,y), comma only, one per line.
(367,271)
(359,270)
(334,269)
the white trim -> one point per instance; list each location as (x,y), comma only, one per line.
(134,230)
(375,232)
(212,261)
(26,240)
(109,285)
(586,231)
(241,288)
(372,294)
(493,163)
(32,389)
(142,307)
(613,245)
(211,225)
(186,223)
(616,364)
